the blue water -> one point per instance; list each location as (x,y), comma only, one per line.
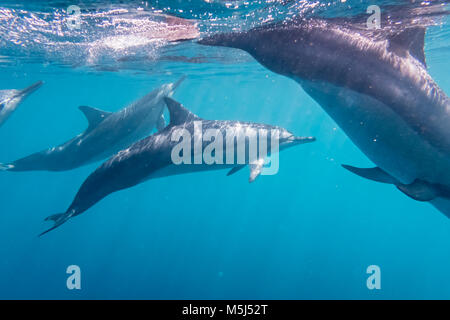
(308,232)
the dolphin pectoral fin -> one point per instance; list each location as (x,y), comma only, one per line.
(419,190)
(94,116)
(375,174)
(235,169)
(255,169)
(59,219)
(161,124)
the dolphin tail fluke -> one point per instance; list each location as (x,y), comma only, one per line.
(59,219)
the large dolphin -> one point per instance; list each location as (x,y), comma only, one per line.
(375,85)
(10,100)
(152,157)
(107,133)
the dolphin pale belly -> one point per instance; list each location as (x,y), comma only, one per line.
(375,85)
(10,100)
(152,157)
(107,133)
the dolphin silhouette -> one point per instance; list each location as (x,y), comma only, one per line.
(152,158)
(10,100)
(107,133)
(375,85)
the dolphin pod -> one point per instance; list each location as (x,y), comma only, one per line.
(107,133)
(375,85)
(10,100)
(151,158)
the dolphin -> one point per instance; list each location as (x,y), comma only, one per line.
(152,157)
(106,134)
(375,85)
(10,100)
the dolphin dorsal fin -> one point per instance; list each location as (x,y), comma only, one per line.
(94,116)
(410,39)
(178,113)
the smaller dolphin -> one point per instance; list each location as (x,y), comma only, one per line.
(152,157)
(10,100)
(107,133)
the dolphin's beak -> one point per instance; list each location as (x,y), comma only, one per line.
(233,39)
(300,140)
(176,84)
(27,91)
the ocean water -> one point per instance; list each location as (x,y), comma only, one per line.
(308,232)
